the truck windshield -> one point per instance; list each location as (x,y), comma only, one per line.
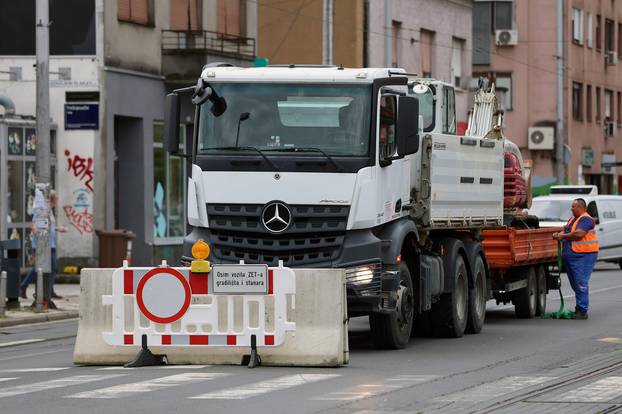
(331,118)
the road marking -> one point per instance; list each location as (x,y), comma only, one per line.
(611,340)
(494,389)
(372,390)
(603,390)
(123,390)
(35,369)
(52,384)
(264,387)
(8,379)
(156,367)
(25,341)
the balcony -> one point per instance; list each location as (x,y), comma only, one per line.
(207,42)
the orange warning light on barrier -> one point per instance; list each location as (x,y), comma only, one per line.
(200,252)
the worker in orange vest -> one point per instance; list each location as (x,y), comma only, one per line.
(580,250)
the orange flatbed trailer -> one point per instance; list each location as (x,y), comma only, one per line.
(507,248)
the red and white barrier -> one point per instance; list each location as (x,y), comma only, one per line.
(175,307)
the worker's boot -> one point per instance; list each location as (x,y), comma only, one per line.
(578,314)
(22,293)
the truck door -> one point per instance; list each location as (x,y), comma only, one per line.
(393,173)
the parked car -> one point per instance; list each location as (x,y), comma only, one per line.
(554,210)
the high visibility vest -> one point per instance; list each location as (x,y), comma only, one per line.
(587,243)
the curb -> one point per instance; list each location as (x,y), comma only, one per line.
(38,318)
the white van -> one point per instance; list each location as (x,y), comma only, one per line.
(554,211)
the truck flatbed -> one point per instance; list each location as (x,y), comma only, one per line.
(510,247)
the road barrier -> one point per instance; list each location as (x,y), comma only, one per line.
(196,326)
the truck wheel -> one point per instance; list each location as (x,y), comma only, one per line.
(526,299)
(392,331)
(450,313)
(542,291)
(477,297)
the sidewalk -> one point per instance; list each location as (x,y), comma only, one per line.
(67,307)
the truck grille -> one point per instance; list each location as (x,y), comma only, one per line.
(316,234)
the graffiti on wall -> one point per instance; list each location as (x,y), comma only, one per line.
(78,213)
(81,168)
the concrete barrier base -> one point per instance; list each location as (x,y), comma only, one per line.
(321,337)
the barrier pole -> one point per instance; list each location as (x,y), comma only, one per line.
(39,290)
(2,293)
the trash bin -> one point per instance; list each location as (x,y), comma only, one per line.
(115,246)
(10,263)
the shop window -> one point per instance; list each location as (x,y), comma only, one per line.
(388,117)
(21,167)
(169,186)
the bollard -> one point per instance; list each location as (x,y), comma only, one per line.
(39,290)
(2,293)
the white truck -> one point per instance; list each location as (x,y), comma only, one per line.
(359,169)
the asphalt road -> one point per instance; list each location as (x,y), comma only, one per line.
(512,366)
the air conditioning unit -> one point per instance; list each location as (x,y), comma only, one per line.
(610,128)
(541,138)
(611,58)
(506,37)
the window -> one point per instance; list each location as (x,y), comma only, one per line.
(608,105)
(449,111)
(169,190)
(426,108)
(426,41)
(72,31)
(503,87)
(577,25)
(230,15)
(184,15)
(599,40)
(388,116)
(598,107)
(577,101)
(395,43)
(619,40)
(503,15)
(482,27)
(590,30)
(609,35)
(135,11)
(588,103)
(619,108)
(456,61)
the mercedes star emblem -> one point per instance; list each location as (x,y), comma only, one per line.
(276,217)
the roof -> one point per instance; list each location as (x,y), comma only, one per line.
(298,73)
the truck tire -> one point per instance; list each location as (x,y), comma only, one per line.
(542,291)
(392,331)
(450,313)
(477,297)
(526,299)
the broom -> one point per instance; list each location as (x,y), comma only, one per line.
(562,313)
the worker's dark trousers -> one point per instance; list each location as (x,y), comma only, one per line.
(579,268)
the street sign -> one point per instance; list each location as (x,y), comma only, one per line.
(239,279)
(82,116)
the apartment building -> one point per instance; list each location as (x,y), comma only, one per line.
(429,37)
(111,65)
(515,45)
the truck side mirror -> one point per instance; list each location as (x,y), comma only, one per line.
(407,130)
(171,123)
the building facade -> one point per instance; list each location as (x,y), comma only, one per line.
(431,38)
(112,64)
(515,45)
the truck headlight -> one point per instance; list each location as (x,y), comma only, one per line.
(362,275)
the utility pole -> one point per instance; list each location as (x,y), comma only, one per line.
(327,35)
(388,34)
(41,205)
(560,167)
